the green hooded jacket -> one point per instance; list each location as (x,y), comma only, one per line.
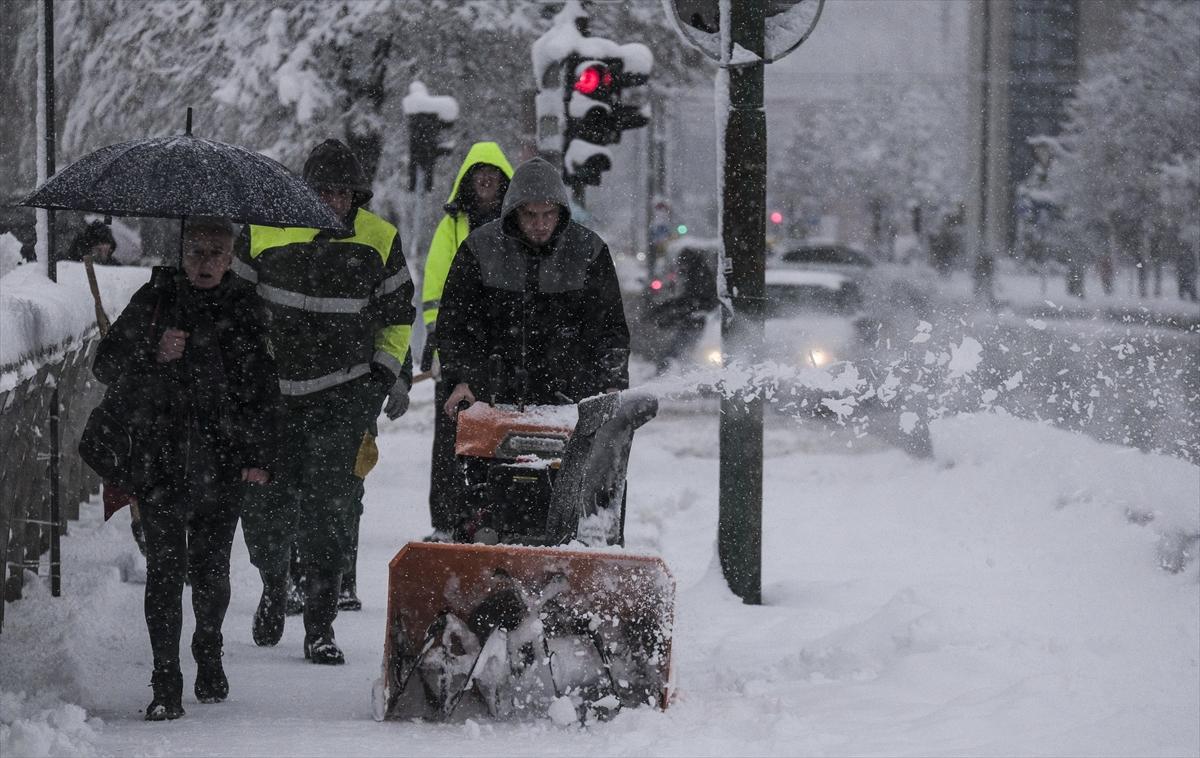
(451,231)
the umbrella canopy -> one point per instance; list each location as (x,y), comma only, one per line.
(182,175)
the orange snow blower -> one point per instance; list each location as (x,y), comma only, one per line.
(543,613)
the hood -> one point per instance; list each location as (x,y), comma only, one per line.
(535,181)
(480,153)
(333,163)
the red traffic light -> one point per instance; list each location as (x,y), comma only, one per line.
(593,78)
(776,217)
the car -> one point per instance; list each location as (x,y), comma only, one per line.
(810,320)
(825,255)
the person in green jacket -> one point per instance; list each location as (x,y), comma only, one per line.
(340,320)
(475,199)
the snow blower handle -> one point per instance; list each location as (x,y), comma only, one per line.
(523,383)
(495,370)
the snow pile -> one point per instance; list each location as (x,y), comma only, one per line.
(563,39)
(44,726)
(39,317)
(1006,597)
(10,253)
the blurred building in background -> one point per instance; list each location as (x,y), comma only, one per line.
(1026,58)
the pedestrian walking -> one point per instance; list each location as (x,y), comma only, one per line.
(340,315)
(475,199)
(192,381)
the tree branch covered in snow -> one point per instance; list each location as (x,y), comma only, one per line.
(279,76)
(1131,148)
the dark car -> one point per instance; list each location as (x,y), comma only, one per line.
(841,269)
(827,256)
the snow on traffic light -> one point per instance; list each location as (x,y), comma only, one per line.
(582,82)
(428,117)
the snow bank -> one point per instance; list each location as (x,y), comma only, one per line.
(1004,598)
(39,317)
(33,727)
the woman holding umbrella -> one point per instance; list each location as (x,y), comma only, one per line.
(189,368)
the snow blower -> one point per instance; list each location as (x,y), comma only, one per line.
(542,613)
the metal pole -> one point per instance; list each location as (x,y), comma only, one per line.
(743,223)
(52,272)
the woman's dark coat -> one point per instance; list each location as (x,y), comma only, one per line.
(201,419)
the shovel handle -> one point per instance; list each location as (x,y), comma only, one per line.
(102,322)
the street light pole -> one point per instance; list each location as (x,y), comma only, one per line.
(743,232)
(49,139)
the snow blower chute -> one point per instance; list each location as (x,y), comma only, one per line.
(537,612)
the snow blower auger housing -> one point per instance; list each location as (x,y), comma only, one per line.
(518,631)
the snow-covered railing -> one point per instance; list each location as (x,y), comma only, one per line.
(48,337)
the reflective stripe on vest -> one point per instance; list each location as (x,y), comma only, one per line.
(311,303)
(369,230)
(243,269)
(393,282)
(309,386)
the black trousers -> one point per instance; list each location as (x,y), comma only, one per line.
(444,477)
(188,534)
(315,497)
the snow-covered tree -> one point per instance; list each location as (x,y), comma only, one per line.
(887,145)
(1131,147)
(279,76)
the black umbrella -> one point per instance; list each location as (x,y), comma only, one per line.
(180,176)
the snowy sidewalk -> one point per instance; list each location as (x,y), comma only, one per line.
(1004,598)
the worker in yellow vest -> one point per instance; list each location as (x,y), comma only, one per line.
(475,199)
(340,314)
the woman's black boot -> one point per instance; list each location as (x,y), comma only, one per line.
(167,704)
(211,684)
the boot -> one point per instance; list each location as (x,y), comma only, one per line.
(320,610)
(211,684)
(323,649)
(268,619)
(167,682)
(348,595)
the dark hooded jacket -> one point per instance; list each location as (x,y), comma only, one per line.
(340,305)
(552,313)
(204,417)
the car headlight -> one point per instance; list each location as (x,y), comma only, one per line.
(818,357)
(714,357)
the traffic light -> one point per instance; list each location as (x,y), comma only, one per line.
(428,117)
(595,114)
(588,88)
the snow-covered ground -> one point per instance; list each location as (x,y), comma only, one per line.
(1005,598)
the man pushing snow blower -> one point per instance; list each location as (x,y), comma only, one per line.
(532,322)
